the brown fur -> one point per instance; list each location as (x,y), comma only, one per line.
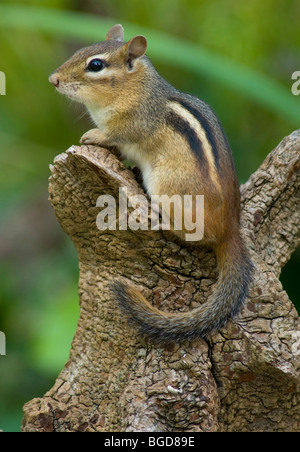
(180,147)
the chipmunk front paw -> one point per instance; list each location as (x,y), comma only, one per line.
(94,136)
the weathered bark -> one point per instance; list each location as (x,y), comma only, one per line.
(244,378)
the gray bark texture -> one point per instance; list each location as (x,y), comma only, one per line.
(245,378)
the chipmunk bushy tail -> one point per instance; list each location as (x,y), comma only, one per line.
(235,271)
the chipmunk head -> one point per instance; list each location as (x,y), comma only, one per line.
(100,75)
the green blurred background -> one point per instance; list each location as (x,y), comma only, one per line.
(237,56)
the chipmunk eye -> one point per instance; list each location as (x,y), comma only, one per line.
(95,65)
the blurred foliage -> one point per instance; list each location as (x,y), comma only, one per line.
(237,56)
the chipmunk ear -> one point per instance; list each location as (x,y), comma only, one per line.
(135,48)
(116,33)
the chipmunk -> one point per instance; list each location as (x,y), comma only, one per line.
(179,146)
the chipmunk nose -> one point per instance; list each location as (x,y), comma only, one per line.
(54,80)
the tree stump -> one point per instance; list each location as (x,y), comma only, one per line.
(243,378)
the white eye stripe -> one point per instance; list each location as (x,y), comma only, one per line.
(106,72)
